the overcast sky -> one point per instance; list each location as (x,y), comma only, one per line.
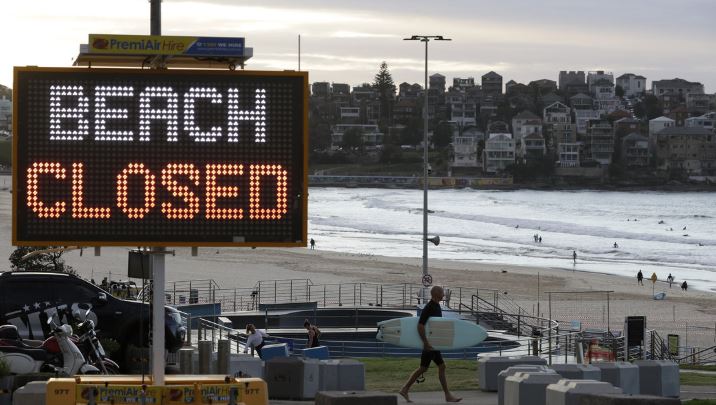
(345,41)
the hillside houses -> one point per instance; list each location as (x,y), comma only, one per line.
(584,119)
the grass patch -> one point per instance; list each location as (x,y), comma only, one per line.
(697,379)
(389,374)
(697,367)
(701,402)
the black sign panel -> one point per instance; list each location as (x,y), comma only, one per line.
(152,158)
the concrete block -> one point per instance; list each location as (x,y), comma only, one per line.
(659,377)
(565,392)
(578,371)
(355,398)
(245,366)
(489,367)
(268,352)
(625,399)
(620,374)
(528,388)
(328,375)
(320,353)
(32,393)
(510,371)
(292,378)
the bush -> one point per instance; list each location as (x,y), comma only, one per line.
(4,368)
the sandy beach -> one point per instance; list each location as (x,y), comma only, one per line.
(692,312)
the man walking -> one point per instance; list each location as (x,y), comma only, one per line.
(640,278)
(313,244)
(432,308)
(574,256)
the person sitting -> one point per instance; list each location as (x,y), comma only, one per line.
(254,339)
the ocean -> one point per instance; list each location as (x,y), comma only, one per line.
(657,232)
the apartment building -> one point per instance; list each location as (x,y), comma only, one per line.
(692,149)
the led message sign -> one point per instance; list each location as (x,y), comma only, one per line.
(159,157)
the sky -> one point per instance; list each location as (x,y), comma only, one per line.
(345,41)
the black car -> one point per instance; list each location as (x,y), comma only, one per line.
(28,298)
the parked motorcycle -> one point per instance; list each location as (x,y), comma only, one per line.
(58,353)
(92,348)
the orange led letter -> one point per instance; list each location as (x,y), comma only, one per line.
(150,191)
(281,207)
(33,201)
(213,191)
(180,191)
(78,208)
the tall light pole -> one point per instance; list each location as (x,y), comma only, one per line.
(427,280)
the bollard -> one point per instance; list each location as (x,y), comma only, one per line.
(205,349)
(186,360)
(224,351)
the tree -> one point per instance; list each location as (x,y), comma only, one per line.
(619,91)
(51,261)
(648,108)
(384,85)
(412,134)
(353,139)
(443,135)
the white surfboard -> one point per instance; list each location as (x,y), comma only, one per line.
(442,333)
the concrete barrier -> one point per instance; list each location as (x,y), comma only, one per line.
(292,378)
(658,377)
(489,367)
(578,371)
(566,392)
(205,352)
(186,360)
(343,374)
(625,399)
(527,388)
(222,355)
(620,374)
(32,393)
(245,366)
(355,398)
(510,371)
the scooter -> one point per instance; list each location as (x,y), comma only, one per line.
(58,353)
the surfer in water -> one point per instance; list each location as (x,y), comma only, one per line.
(432,308)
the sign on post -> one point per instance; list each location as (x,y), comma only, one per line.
(125,157)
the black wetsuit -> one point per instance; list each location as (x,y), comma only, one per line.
(431,309)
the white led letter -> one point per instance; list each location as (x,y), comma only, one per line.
(169,114)
(102,113)
(258,115)
(190,110)
(77,113)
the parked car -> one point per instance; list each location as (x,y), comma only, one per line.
(27,299)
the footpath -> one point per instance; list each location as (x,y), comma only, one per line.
(490,398)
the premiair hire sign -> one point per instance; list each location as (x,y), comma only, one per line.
(159,157)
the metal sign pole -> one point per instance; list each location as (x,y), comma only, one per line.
(157,257)
(158,275)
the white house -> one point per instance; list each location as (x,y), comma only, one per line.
(705,121)
(557,113)
(632,84)
(657,124)
(525,123)
(499,152)
(465,148)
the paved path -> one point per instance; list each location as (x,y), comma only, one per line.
(490,398)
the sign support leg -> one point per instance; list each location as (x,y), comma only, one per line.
(158,273)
